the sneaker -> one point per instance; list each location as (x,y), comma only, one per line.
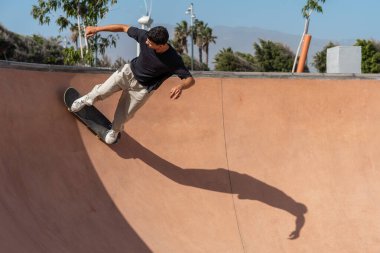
(88,100)
(80,103)
(111,136)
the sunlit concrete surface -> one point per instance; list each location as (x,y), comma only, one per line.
(240,163)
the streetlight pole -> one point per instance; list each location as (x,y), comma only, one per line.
(190,11)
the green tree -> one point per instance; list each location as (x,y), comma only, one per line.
(370,56)
(273,57)
(33,48)
(6,48)
(74,35)
(208,38)
(247,57)
(320,58)
(75,12)
(202,35)
(228,60)
(202,38)
(73,56)
(119,62)
(198,31)
(104,62)
(197,65)
(181,31)
(310,6)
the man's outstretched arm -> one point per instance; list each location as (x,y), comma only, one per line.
(92,30)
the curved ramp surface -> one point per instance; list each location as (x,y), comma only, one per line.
(235,165)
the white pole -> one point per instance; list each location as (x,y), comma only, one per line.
(190,11)
(80,38)
(85,38)
(305,31)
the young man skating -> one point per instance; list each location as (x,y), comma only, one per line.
(156,62)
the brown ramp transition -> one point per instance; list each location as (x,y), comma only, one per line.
(275,163)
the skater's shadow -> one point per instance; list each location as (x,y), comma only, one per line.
(219,180)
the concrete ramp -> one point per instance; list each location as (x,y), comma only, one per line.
(253,164)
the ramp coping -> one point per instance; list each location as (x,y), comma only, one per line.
(213,74)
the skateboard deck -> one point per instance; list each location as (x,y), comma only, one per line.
(89,115)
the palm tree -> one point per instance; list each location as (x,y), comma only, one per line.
(181,32)
(202,38)
(207,39)
(198,32)
(311,5)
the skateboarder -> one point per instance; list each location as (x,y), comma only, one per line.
(137,80)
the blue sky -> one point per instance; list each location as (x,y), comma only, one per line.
(342,19)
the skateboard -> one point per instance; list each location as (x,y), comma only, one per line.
(89,115)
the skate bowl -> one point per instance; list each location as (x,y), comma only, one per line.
(242,162)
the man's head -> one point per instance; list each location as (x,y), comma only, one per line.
(158,35)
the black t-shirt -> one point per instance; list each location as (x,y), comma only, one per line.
(151,69)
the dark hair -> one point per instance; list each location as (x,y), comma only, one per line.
(158,35)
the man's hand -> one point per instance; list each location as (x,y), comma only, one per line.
(90,31)
(176,92)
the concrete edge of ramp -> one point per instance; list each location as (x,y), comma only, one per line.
(220,74)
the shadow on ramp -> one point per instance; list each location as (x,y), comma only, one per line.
(244,186)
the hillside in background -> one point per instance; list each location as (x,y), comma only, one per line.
(35,48)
